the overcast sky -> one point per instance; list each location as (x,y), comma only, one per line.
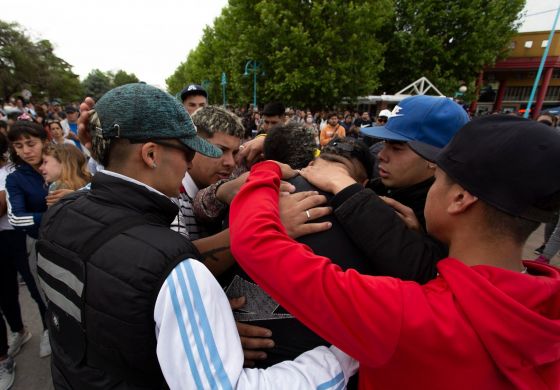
(149,39)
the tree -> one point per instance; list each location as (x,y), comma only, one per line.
(122,78)
(446,41)
(96,84)
(311,53)
(33,66)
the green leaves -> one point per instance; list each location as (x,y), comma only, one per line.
(98,82)
(25,64)
(447,41)
(312,53)
(316,53)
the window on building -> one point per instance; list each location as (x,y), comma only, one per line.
(512,45)
(514,94)
(528,44)
(552,94)
(544,43)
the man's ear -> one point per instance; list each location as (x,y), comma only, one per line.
(460,200)
(149,154)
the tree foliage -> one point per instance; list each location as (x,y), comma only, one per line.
(446,41)
(310,53)
(315,53)
(98,82)
(34,66)
(122,78)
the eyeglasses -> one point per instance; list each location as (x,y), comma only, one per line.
(189,153)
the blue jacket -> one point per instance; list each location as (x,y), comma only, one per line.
(26,190)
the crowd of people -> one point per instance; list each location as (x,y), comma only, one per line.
(172,243)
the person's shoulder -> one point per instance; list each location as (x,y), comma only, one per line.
(302,184)
(15,174)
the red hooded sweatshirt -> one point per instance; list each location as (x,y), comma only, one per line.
(477,327)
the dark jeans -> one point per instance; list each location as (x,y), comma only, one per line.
(11,247)
(13,259)
(549,228)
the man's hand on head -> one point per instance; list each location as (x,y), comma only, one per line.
(251,151)
(287,171)
(328,176)
(83,134)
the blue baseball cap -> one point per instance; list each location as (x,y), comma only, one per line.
(427,122)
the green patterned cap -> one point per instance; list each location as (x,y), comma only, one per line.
(140,112)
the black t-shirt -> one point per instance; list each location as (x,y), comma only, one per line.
(291,337)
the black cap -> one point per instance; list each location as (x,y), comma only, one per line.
(193,89)
(509,162)
(70,109)
(274,109)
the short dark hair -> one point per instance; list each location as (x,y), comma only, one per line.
(274,109)
(24,129)
(4,144)
(502,224)
(290,144)
(331,114)
(352,149)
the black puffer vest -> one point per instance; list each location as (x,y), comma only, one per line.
(103,257)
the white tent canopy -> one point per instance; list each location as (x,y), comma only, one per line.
(422,86)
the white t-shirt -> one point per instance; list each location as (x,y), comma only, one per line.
(4,172)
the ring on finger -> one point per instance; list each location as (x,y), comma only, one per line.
(308,215)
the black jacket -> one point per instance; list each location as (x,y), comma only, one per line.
(103,256)
(392,249)
(290,336)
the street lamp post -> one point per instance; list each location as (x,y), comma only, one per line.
(224,83)
(461,91)
(253,66)
(206,85)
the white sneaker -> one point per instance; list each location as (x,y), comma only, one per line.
(17,340)
(7,373)
(45,345)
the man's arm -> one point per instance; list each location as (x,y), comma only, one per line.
(215,252)
(198,346)
(362,315)
(392,249)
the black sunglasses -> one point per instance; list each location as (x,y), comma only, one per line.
(189,153)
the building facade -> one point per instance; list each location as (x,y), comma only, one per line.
(506,86)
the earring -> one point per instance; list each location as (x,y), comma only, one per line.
(154,165)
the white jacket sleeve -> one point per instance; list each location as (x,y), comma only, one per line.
(198,345)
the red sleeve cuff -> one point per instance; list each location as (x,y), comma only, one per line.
(267,165)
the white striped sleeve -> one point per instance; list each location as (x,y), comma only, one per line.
(199,348)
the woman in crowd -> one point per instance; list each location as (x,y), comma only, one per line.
(57,133)
(26,192)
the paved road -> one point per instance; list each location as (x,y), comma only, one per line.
(33,373)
